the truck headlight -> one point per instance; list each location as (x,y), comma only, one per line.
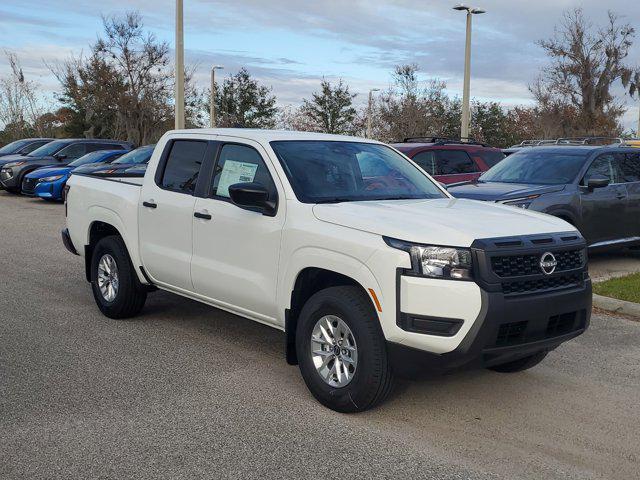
(435,261)
(50,179)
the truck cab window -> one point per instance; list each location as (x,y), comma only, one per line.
(183,166)
(240,164)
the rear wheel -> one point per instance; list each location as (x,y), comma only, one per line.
(342,351)
(116,288)
(520,364)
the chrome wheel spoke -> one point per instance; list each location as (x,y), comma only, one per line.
(107,278)
(334,351)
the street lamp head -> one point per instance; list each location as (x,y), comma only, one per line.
(217,67)
(374,90)
(463,7)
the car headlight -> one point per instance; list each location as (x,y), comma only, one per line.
(435,261)
(524,202)
(50,179)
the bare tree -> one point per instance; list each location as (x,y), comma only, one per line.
(20,105)
(586,64)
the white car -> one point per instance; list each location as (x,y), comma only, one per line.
(365,262)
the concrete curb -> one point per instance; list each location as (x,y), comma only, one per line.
(616,306)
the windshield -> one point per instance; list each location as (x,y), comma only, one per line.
(49,149)
(13,146)
(537,167)
(139,155)
(326,171)
(93,157)
(491,157)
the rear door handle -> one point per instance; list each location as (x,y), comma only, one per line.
(149,204)
(203,215)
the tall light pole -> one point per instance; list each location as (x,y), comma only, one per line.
(466,110)
(179,93)
(212,101)
(370,110)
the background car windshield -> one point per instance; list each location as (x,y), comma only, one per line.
(326,171)
(13,146)
(139,155)
(537,167)
(93,157)
(48,149)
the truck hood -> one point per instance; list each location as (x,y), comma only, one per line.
(445,221)
(492,191)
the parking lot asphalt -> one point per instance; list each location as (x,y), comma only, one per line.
(603,266)
(188,391)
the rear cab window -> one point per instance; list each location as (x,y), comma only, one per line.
(182,166)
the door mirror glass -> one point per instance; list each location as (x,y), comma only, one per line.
(597,181)
(252,196)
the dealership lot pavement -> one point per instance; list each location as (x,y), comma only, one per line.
(189,391)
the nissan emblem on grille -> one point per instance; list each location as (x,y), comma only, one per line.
(548,263)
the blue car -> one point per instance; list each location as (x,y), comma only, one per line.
(133,164)
(48,182)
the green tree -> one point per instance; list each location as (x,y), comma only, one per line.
(242,102)
(331,110)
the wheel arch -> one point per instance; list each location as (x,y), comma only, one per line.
(307,280)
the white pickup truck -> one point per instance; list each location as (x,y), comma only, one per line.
(368,265)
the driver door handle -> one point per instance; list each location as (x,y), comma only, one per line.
(202,215)
(150,204)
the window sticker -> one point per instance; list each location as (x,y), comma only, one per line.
(235,172)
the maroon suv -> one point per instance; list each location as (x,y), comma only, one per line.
(450,161)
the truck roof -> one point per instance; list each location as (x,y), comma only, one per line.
(270,135)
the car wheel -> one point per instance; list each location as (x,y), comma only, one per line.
(116,288)
(342,351)
(520,364)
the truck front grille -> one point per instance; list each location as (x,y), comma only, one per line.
(506,266)
(539,285)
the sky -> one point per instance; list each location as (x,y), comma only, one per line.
(292,44)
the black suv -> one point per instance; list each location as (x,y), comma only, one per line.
(595,188)
(58,153)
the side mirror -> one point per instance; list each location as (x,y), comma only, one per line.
(252,196)
(60,157)
(597,181)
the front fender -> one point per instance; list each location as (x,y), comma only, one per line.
(314,257)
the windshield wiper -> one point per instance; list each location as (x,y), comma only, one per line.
(335,200)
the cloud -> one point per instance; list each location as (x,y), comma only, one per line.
(292,44)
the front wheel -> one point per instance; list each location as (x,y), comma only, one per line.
(116,288)
(521,364)
(342,350)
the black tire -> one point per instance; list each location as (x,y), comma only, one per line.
(131,294)
(520,364)
(373,379)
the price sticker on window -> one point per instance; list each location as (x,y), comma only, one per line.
(235,172)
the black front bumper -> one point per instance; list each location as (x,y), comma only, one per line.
(505,330)
(511,324)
